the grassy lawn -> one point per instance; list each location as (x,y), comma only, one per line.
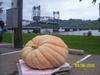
(89,44)
(26,37)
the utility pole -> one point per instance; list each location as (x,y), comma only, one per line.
(18,42)
(99,10)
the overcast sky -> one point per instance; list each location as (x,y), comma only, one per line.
(68,8)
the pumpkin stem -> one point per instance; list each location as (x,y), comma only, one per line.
(35,47)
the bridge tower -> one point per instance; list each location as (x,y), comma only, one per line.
(56,14)
(36,13)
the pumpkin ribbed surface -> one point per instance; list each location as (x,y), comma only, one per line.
(45,51)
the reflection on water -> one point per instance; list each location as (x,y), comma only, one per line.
(94,32)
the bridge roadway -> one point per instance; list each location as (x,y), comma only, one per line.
(66,29)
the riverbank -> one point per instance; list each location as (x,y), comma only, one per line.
(81,33)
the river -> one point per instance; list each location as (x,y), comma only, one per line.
(93,32)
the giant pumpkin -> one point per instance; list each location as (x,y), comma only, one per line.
(45,52)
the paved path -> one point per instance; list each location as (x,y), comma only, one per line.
(10,56)
(7,47)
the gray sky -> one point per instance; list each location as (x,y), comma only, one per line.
(68,8)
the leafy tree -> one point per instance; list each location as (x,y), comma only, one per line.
(93,1)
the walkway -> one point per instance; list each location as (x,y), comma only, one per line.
(10,56)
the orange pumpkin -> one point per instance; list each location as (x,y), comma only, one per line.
(44,52)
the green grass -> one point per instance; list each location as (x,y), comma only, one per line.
(90,44)
(7,37)
(27,37)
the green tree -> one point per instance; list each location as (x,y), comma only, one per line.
(93,1)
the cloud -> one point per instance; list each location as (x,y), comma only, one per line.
(6,4)
(68,8)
